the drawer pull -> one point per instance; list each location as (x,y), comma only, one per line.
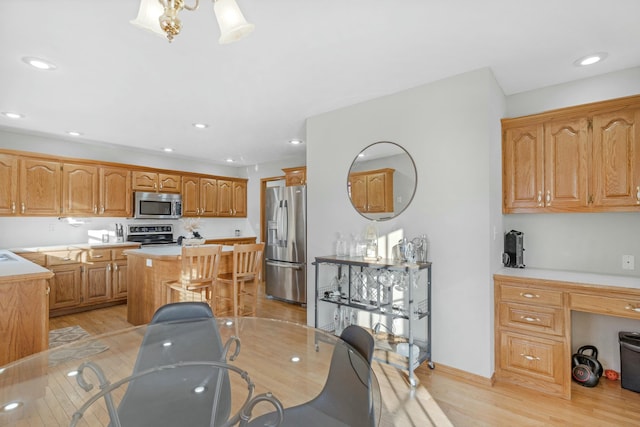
(633,308)
(530,319)
(97,256)
(529,357)
(529,295)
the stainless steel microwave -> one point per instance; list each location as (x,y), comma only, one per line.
(157,205)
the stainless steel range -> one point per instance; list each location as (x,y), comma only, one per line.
(151,234)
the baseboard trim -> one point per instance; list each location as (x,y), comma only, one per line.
(461,375)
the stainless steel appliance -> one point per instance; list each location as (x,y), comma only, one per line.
(151,234)
(157,205)
(286,246)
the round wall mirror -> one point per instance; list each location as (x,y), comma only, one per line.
(382,181)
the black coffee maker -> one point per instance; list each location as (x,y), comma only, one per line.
(513,255)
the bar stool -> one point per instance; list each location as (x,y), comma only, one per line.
(198,274)
(236,292)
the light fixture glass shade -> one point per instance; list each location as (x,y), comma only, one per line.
(149,15)
(232,24)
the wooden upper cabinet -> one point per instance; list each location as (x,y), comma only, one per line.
(190,195)
(156,182)
(239,198)
(578,159)
(80,190)
(9,204)
(523,167)
(372,191)
(616,158)
(295,176)
(225,197)
(39,187)
(565,160)
(115,192)
(208,197)
(89,190)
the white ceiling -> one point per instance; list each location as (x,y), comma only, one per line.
(121,85)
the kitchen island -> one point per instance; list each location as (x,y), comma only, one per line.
(148,268)
(24,307)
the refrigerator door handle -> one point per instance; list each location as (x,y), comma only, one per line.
(279,225)
(285,265)
(285,222)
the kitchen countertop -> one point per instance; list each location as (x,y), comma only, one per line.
(12,265)
(572,277)
(98,245)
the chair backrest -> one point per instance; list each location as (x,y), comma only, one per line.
(347,392)
(178,332)
(182,311)
(359,339)
(247,260)
(200,263)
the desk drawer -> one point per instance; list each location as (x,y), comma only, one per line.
(617,306)
(538,358)
(527,295)
(532,318)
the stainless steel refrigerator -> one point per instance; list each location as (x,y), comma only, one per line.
(286,249)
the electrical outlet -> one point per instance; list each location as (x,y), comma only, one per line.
(628,262)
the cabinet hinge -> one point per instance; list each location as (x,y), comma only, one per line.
(590,199)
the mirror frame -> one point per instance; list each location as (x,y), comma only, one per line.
(390,215)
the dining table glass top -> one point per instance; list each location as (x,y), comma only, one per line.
(264,363)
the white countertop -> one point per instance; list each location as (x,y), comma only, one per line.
(166,250)
(97,245)
(14,265)
(573,277)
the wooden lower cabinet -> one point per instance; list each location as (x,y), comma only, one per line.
(65,286)
(119,280)
(532,337)
(97,283)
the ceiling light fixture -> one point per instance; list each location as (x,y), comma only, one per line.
(590,59)
(229,160)
(200,125)
(38,63)
(295,142)
(12,115)
(167,150)
(74,133)
(161,17)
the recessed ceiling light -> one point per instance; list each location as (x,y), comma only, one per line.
(74,133)
(12,115)
(590,59)
(200,125)
(168,149)
(229,160)
(38,63)
(295,141)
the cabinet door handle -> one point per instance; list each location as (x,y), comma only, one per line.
(528,295)
(115,267)
(633,307)
(529,357)
(95,209)
(540,198)
(13,207)
(102,209)
(548,198)
(97,256)
(48,290)
(22,208)
(530,319)
(109,267)
(638,194)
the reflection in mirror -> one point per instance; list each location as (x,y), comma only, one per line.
(382,181)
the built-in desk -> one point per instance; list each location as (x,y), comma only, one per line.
(148,268)
(533,321)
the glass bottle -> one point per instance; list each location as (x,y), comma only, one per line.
(341,246)
(371,240)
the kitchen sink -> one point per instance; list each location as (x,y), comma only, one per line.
(5,257)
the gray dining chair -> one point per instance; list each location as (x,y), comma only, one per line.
(178,332)
(345,399)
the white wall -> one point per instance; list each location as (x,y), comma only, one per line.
(451,128)
(582,242)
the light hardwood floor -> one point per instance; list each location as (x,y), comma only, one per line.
(464,403)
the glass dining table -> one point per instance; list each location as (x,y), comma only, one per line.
(267,365)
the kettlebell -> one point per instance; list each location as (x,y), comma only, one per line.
(586,370)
